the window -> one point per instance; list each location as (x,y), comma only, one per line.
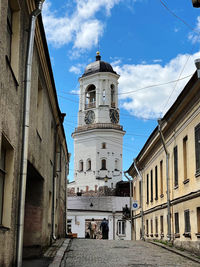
(121,225)
(103,164)
(9,31)
(185,157)
(39,109)
(187,221)
(112,96)
(161,178)
(89,165)
(197,148)
(104,96)
(147,227)
(69,226)
(156,225)
(2,179)
(151,185)
(49,207)
(161,225)
(80,165)
(140,192)
(176,222)
(116,164)
(6,181)
(134,192)
(103,145)
(151,227)
(175,166)
(90,97)
(198,220)
(147,189)
(156,183)
(13,36)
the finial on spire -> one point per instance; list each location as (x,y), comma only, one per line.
(98,57)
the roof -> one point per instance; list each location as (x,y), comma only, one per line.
(103,203)
(98,66)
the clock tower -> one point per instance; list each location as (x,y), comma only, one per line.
(98,139)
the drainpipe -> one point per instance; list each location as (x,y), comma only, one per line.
(131,201)
(53,235)
(141,198)
(25,133)
(167,180)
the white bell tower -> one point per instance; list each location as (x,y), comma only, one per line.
(98,139)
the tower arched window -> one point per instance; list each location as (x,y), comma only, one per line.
(112,95)
(116,164)
(103,164)
(89,165)
(104,96)
(80,165)
(90,97)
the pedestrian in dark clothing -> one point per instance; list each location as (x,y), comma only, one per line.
(104,228)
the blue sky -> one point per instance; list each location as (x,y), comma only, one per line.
(150,43)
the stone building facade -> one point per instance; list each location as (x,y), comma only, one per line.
(47,155)
(169,165)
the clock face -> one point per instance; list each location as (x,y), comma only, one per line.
(114,116)
(89,117)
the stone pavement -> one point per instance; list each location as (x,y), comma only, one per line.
(104,253)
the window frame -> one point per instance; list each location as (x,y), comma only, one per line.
(197,149)
(176,166)
(121,230)
(3,175)
(176,223)
(187,221)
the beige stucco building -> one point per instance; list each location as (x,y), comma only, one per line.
(44,182)
(169,164)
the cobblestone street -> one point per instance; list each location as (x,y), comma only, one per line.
(96,253)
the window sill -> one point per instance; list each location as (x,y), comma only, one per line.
(12,72)
(4,229)
(89,170)
(197,174)
(103,169)
(177,235)
(175,187)
(187,235)
(198,235)
(186,181)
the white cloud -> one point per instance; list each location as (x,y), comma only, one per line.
(153,102)
(194,36)
(81,28)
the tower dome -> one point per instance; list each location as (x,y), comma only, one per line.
(98,66)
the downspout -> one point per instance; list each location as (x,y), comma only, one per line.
(131,201)
(141,198)
(53,235)
(25,132)
(167,180)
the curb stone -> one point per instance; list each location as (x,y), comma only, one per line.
(176,251)
(60,253)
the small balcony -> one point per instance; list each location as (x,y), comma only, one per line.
(90,105)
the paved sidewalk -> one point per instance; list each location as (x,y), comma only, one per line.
(52,257)
(183,253)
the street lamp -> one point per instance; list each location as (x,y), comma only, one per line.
(196,3)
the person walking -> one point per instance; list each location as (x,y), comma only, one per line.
(92,229)
(104,228)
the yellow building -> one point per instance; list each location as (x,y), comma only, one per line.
(169,165)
